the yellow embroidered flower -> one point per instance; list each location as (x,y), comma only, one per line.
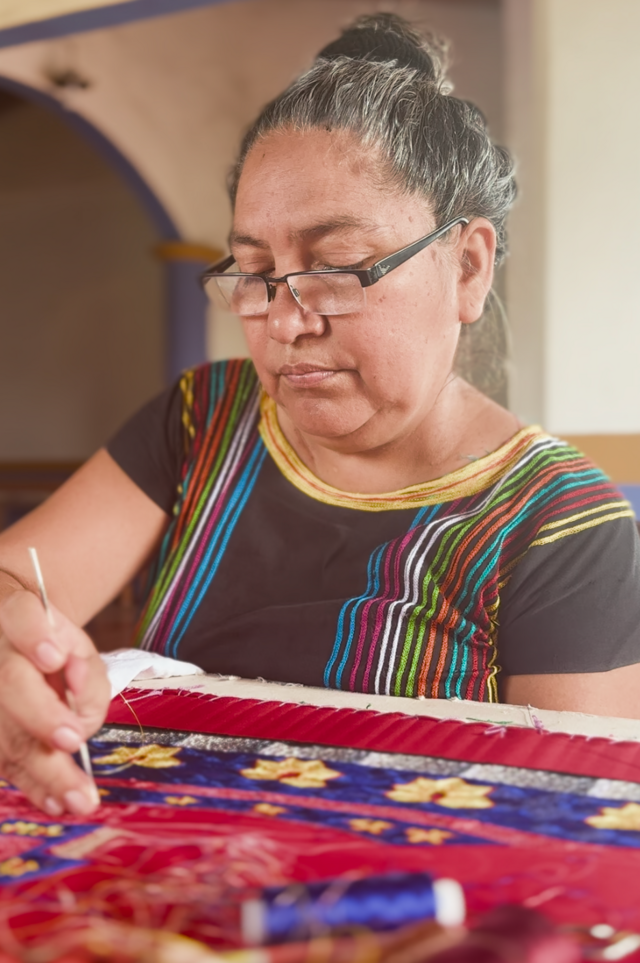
(454,793)
(434,836)
(149,757)
(20,828)
(618,817)
(16,866)
(301,773)
(266,809)
(373,826)
(180,800)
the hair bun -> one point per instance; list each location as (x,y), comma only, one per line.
(382,37)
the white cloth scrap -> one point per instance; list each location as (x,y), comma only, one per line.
(127,665)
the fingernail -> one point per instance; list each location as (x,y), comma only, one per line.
(67,739)
(52,806)
(78,802)
(94,794)
(49,656)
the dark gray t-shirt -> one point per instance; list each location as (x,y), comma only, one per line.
(544,578)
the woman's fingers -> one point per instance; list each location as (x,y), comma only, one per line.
(26,625)
(35,706)
(86,677)
(41,666)
(48,777)
(65,655)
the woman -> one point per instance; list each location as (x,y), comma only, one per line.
(369,209)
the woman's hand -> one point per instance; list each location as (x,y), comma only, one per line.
(92,536)
(38,730)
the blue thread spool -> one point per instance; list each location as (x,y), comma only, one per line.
(300,912)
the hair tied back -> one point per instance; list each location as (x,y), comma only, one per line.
(384,38)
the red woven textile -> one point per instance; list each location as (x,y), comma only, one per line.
(385,732)
(284,793)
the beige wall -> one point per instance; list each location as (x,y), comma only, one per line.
(592,250)
(175,93)
(572,115)
(81,310)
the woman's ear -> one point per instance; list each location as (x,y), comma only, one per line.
(477,251)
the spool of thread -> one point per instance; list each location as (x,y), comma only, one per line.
(301,912)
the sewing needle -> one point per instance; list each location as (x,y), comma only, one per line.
(71,701)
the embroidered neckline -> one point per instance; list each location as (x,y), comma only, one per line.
(465,481)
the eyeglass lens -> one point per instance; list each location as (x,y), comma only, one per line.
(317,293)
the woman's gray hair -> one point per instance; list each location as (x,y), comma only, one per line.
(434,143)
(387,85)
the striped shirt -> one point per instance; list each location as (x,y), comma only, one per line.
(524,560)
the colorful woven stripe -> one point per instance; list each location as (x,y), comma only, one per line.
(427,622)
(220,416)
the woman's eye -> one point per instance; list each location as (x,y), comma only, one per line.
(340,267)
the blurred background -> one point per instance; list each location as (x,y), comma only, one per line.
(119,121)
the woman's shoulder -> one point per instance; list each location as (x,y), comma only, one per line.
(217,390)
(526,459)
(206,384)
(550,466)
(158,443)
(221,374)
(550,488)
(570,600)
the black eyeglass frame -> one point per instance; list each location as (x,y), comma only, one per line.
(366,276)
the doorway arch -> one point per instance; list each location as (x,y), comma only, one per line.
(185,306)
(81,315)
(106,148)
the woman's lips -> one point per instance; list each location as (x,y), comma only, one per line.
(305,375)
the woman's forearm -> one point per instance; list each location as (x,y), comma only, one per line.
(613,693)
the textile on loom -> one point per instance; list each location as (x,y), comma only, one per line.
(191,819)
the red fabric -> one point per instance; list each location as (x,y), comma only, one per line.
(181,833)
(177,850)
(384,732)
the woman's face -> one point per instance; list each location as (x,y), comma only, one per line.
(353,382)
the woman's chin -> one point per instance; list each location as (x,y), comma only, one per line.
(331,420)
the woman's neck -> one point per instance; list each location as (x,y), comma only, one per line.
(463,426)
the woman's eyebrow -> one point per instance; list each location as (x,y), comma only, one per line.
(245,240)
(335,225)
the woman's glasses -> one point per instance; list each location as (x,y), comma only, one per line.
(332,292)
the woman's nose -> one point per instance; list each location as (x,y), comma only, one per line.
(287,321)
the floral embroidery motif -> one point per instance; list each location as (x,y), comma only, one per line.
(434,836)
(180,800)
(20,828)
(373,826)
(301,773)
(618,817)
(16,866)
(267,809)
(149,757)
(454,793)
